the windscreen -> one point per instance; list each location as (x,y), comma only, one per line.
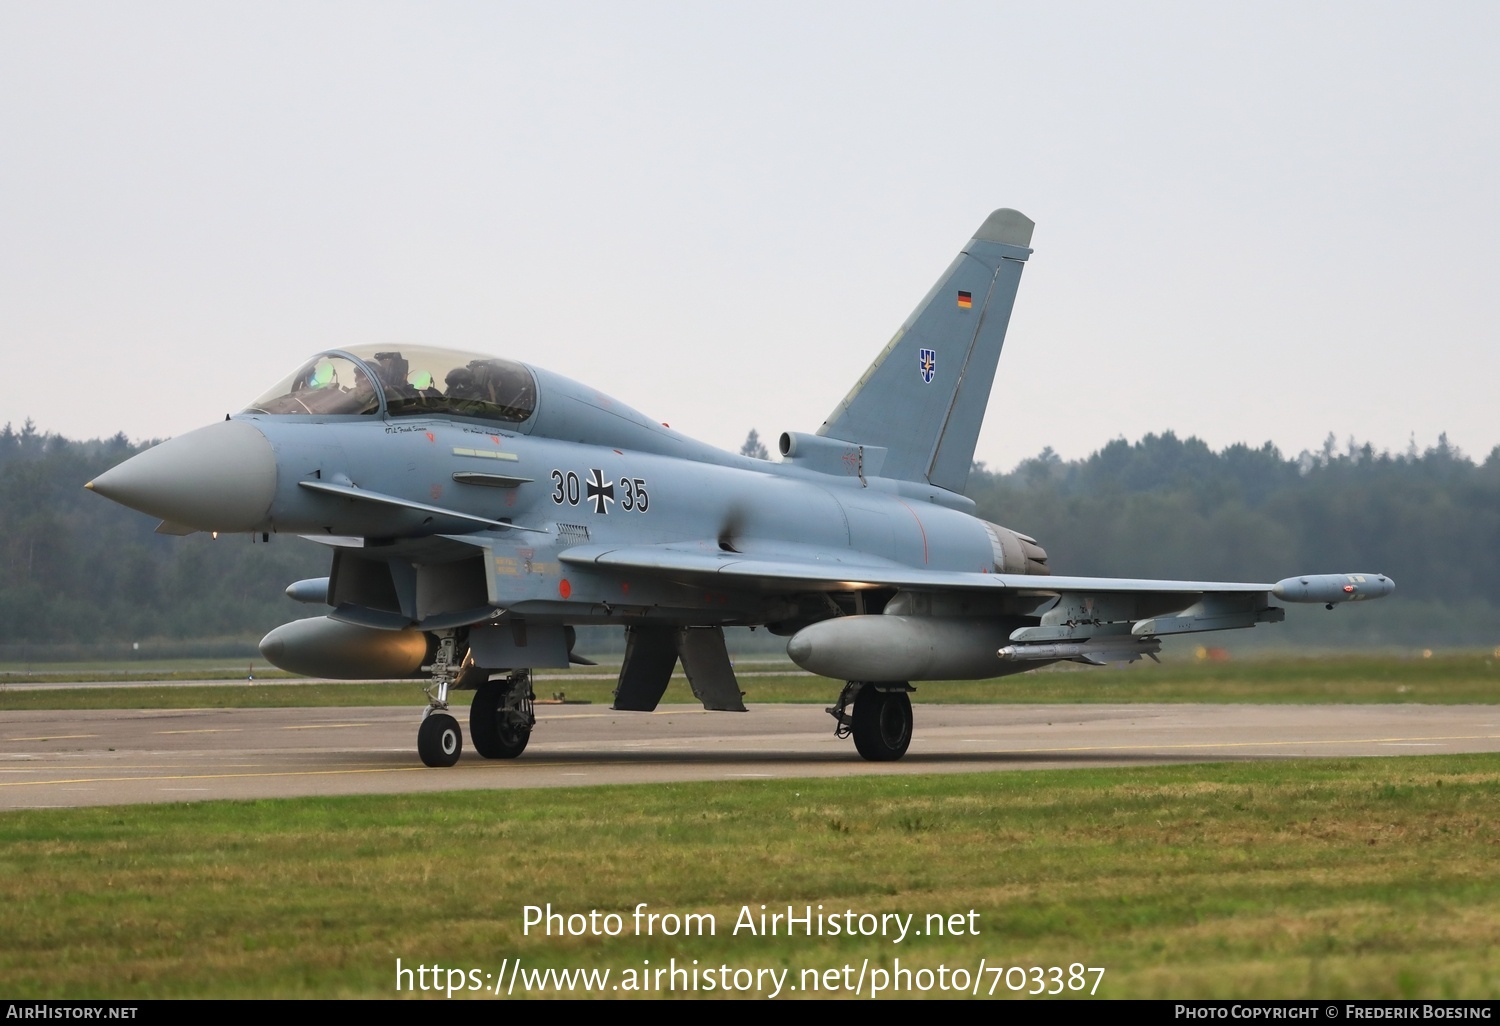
(324,386)
(415,380)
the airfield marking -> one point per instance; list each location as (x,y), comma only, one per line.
(214,776)
(275,773)
(1263,744)
(321,726)
(86,767)
(53,737)
(621,712)
(205,730)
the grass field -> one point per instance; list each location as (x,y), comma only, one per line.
(1372,878)
(1461,678)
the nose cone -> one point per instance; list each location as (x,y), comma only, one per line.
(217,478)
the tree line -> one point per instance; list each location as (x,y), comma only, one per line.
(76,568)
(1171,507)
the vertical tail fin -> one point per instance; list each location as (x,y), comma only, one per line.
(924,397)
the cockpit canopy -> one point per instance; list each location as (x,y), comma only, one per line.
(411,380)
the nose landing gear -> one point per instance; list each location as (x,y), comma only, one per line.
(440,741)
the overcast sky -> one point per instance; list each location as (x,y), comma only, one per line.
(1256,221)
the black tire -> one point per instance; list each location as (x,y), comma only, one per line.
(494,735)
(882,724)
(439,740)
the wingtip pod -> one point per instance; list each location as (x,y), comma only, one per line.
(1331,588)
(1007,227)
(313,591)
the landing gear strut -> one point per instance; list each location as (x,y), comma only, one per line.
(440,741)
(880,721)
(501,716)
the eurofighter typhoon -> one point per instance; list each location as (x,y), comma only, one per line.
(479,508)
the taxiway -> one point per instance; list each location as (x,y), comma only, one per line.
(120,757)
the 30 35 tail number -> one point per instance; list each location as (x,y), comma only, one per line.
(569,489)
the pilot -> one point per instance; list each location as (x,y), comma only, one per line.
(461,384)
(515,394)
(392,368)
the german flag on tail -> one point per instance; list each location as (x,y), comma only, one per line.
(965,300)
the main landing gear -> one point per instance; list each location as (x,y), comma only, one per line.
(880,720)
(502,715)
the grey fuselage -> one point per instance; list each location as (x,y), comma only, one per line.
(597,472)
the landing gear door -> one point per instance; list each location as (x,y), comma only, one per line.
(515,644)
(710,674)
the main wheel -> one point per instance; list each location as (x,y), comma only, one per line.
(882,724)
(495,734)
(439,740)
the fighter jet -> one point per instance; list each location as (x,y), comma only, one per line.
(479,508)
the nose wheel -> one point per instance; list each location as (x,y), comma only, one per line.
(439,740)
